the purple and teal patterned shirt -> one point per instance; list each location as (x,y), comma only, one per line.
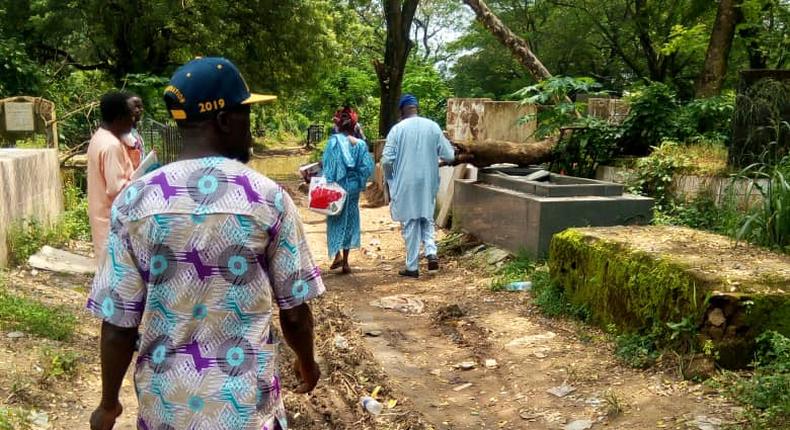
(197,253)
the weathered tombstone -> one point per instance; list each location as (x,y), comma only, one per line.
(23,117)
(762,114)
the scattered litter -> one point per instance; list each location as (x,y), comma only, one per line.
(594,402)
(462,387)
(375,242)
(466,365)
(38,420)
(402,303)
(373,333)
(56,260)
(34,272)
(561,391)
(341,343)
(491,363)
(371,405)
(392,403)
(706,423)
(519,286)
(15,335)
(435,372)
(529,340)
(540,354)
(579,425)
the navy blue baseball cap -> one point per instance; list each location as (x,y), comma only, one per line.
(204,86)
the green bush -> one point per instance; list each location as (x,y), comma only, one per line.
(651,120)
(24,314)
(767,392)
(707,119)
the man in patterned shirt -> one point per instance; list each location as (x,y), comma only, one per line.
(198,252)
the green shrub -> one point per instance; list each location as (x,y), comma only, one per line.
(24,314)
(767,392)
(651,120)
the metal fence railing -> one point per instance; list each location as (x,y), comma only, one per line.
(315,134)
(164,138)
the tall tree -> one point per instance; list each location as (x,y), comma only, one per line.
(517,45)
(399,15)
(714,70)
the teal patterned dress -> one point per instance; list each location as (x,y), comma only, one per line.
(349,166)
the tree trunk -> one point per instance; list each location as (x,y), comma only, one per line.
(518,46)
(399,15)
(499,151)
(714,71)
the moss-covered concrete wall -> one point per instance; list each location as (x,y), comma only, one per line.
(642,277)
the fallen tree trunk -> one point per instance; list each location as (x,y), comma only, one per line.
(500,151)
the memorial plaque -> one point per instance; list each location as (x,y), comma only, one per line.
(19,117)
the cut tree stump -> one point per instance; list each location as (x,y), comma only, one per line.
(639,278)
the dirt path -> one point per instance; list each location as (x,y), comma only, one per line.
(414,359)
(420,353)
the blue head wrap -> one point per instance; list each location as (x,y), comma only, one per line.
(407,100)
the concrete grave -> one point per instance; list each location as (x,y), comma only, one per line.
(505,209)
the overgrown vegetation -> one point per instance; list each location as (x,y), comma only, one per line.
(24,314)
(12,418)
(767,223)
(766,393)
(27,236)
(519,268)
(655,118)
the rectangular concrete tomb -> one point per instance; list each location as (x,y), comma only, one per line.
(506,209)
(643,278)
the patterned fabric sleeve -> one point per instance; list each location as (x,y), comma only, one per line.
(119,292)
(294,276)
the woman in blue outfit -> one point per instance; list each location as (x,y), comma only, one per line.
(348,163)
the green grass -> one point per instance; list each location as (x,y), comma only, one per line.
(27,236)
(31,316)
(520,268)
(550,298)
(59,365)
(13,418)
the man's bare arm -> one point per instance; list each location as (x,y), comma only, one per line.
(297,325)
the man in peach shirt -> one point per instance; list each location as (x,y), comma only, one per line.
(111,164)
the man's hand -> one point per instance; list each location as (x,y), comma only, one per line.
(103,418)
(307,375)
